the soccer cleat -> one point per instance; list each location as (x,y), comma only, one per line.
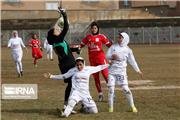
(101,97)
(58,111)
(110,109)
(35,65)
(133,109)
(21,73)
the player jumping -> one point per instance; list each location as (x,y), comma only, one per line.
(65,57)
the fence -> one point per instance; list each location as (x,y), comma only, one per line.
(146,35)
(138,35)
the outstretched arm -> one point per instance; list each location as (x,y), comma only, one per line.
(61,76)
(98,68)
(66,25)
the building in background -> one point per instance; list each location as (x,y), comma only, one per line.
(39,16)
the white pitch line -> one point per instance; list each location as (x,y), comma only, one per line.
(138,82)
(149,87)
(155,87)
(146,85)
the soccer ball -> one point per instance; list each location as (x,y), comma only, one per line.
(61,22)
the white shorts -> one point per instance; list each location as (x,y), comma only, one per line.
(86,100)
(49,49)
(119,79)
(17,55)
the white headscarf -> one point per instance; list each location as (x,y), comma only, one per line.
(125,40)
(80,58)
(15,31)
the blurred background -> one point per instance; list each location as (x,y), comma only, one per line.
(147,22)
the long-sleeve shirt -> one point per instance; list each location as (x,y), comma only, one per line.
(80,79)
(94,43)
(57,39)
(15,44)
(125,55)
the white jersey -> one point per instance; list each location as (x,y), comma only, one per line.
(80,79)
(124,54)
(15,44)
(48,47)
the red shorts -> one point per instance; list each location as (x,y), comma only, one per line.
(36,53)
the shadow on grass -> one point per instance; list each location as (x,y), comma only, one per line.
(39,111)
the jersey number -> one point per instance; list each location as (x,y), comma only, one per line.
(120,77)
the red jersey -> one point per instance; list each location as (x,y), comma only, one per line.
(35,44)
(94,43)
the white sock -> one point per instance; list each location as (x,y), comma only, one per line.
(17,67)
(111,96)
(128,95)
(51,55)
(20,66)
(101,93)
(69,107)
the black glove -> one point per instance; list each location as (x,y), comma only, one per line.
(60,10)
(79,51)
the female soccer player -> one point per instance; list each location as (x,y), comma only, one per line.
(65,57)
(118,55)
(16,44)
(35,44)
(49,50)
(94,42)
(80,86)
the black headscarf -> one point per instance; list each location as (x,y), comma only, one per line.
(95,24)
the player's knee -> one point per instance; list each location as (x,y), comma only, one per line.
(126,90)
(111,90)
(93,110)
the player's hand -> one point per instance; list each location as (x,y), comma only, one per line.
(26,50)
(47,75)
(141,74)
(79,50)
(60,10)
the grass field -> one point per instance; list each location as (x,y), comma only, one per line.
(157,96)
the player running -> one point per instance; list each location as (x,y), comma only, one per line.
(94,41)
(35,44)
(16,44)
(80,86)
(118,55)
(65,57)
